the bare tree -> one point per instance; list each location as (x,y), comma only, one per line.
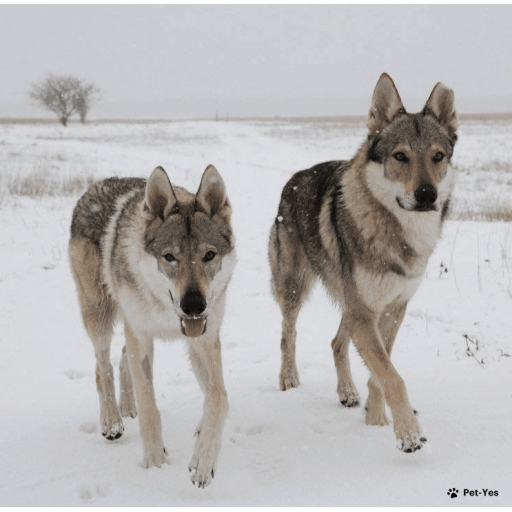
(84,98)
(64,95)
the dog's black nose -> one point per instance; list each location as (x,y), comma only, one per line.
(425,195)
(193,303)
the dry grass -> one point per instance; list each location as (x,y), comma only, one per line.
(36,184)
(41,175)
(482,191)
(488,212)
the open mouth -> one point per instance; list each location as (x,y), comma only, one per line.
(193,326)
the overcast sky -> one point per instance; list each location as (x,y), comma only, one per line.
(212,56)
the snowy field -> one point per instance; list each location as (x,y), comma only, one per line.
(299,448)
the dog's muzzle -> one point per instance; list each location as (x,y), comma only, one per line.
(426,196)
(424,199)
(193,323)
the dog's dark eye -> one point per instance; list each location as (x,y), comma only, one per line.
(438,156)
(400,157)
(169,257)
(209,256)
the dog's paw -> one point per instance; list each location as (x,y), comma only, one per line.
(155,457)
(128,408)
(288,379)
(202,468)
(113,431)
(203,464)
(349,397)
(376,417)
(201,477)
(375,408)
(410,443)
(409,437)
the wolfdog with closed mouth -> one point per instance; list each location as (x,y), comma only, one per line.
(366,227)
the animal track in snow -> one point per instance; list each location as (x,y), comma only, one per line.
(89,427)
(76,374)
(88,491)
(256,429)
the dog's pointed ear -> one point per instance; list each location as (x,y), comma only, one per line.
(441,104)
(160,198)
(212,197)
(386,103)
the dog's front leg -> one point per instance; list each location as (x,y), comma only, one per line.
(389,323)
(140,359)
(364,331)
(205,355)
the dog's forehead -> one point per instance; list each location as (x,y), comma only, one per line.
(203,231)
(188,232)
(420,131)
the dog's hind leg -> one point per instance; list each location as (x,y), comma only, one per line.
(98,314)
(205,356)
(111,422)
(347,392)
(292,278)
(389,322)
(126,396)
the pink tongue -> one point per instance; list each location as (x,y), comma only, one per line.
(194,328)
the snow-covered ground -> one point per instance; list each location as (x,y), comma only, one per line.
(298,448)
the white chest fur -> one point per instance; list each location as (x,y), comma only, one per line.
(378,290)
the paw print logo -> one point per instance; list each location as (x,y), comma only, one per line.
(453,493)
